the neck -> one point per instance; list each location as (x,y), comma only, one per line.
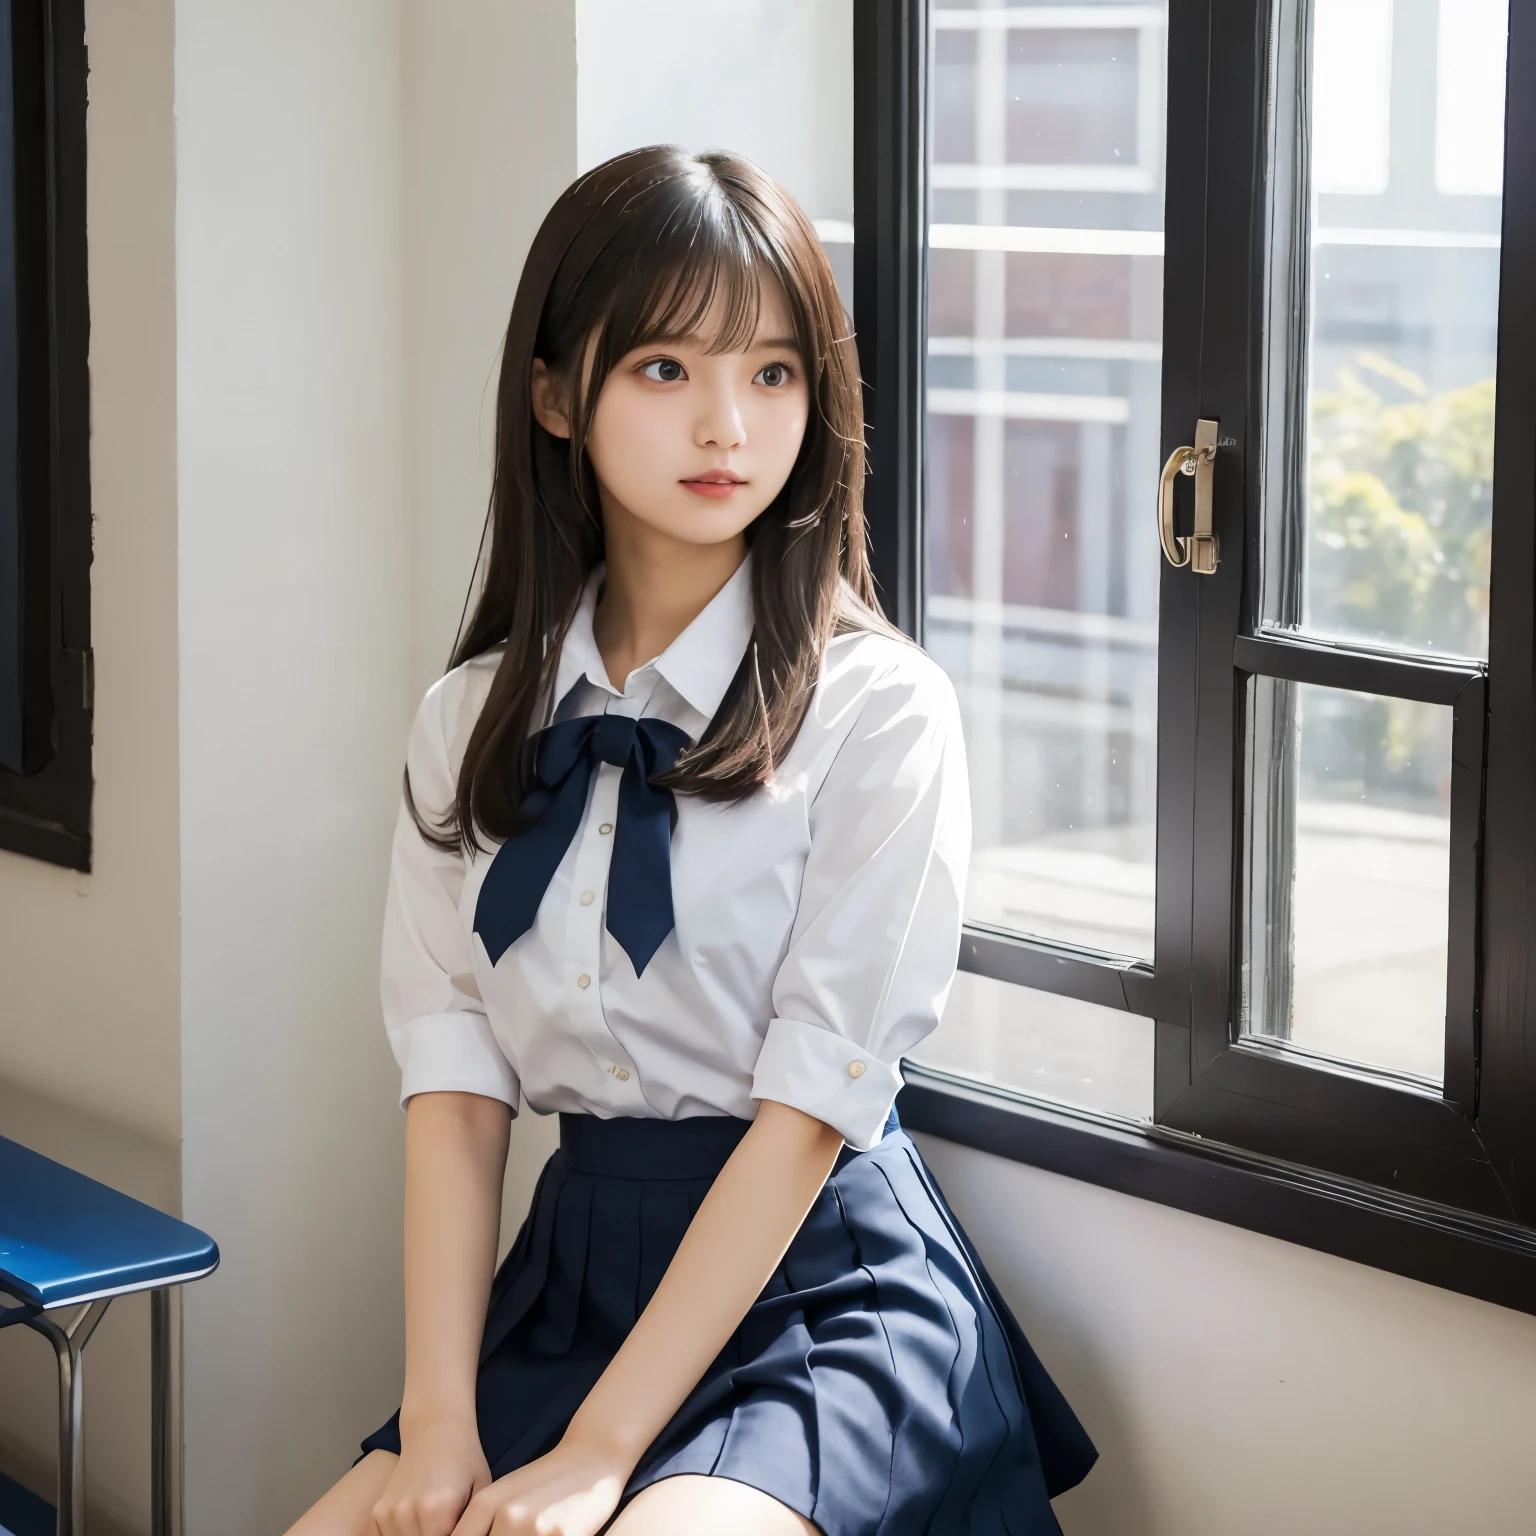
(654,587)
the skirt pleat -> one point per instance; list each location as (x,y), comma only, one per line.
(521,1279)
(879,1385)
(562,1300)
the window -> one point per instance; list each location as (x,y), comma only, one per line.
(45,533)
(1249,926)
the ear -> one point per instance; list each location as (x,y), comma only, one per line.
(547,401)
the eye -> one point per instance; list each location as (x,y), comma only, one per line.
(774,375)
(665,370)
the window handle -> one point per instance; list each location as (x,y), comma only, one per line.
(1198,551)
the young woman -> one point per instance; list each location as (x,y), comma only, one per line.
(680,856)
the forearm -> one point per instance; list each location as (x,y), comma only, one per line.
(727,1256)
(455,1156)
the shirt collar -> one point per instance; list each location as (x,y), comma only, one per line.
(699,664)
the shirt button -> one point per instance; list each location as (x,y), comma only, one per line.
(606,828)
(587,898)
(856,1069)
(583,981)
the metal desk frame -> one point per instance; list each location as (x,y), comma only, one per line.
(69,1340)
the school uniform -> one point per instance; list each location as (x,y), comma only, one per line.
(653,966)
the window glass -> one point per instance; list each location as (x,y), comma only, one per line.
(1044,355)
(1347,885)
(1469,97)
(1387,156)
(1351,95)
(1049,1046)
(1396,241)
(768,79)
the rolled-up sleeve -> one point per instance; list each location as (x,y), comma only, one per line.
(436,1021)
(876,937)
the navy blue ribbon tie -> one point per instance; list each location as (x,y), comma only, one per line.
(640,872)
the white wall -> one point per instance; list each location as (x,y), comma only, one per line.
(295,640)
(89,1009)
(768,79)
(103,1034)
(358,183)
(357,186)
(1240,1386)
(490,142)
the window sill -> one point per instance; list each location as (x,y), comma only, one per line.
(1475,1255)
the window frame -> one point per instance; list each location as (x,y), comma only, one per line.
(45,809)
(1438,1185)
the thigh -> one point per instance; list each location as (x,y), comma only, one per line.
(345,1509)
(689,1505)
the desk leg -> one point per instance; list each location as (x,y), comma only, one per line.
(162,1450)
(68,1340)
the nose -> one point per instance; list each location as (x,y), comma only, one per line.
(719,424)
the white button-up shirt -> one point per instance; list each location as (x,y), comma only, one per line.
(817,921)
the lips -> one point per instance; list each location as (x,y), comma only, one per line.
(717,484)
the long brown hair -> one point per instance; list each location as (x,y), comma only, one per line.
(636,250)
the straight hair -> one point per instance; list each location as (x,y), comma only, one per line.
(638,250)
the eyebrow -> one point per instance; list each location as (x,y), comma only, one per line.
(772,343)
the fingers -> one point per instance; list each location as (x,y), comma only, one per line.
(429,1514)
(396,1518)
(478,1518)
(535,1517)
(496,1512)
(544,1498)
(382,1521)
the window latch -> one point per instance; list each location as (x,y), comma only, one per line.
(1199,550)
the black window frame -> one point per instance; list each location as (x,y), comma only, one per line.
(1435,1183)
(45,522)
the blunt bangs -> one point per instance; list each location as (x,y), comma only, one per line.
(717,257)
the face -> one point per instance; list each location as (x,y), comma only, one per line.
(692,445)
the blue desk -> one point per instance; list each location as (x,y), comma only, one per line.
(68,1245)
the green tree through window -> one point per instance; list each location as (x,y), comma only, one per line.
(1400,504)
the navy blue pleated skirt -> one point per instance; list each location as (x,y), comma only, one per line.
(879,1385)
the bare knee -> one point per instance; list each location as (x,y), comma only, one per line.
(345,1508)
(707,1506)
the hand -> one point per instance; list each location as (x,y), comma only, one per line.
(441,1467)
(573,1491)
